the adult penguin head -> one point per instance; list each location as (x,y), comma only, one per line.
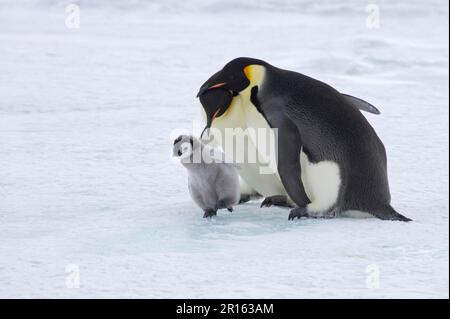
(217,93)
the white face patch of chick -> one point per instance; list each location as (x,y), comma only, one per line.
(186,150)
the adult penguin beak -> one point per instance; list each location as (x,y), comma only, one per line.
(209,122)
(207,87)
(215,102)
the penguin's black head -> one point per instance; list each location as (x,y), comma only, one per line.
(218,91)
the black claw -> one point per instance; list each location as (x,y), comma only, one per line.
(292,216)
(230,209)
(298,212)
(209,214)
(244,199)
(276,200)
(267,202)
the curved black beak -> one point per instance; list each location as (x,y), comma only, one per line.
(209,121)
(206,128)
(215,101)
(217,93)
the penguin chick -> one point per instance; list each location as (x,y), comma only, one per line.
(213,183)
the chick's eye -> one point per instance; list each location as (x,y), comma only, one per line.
(179,153)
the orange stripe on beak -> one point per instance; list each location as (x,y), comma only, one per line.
(215,114)
(217,85)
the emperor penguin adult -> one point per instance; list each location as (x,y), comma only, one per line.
(329,159)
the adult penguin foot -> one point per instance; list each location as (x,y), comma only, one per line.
(298,212)
(277,200)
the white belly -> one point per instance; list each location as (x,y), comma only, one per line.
(261,174)
(322,182)
(264,184)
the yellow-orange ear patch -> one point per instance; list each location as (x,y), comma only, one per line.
(248,72)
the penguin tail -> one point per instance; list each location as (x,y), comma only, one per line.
(389,213)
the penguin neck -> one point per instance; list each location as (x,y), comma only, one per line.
(256,74)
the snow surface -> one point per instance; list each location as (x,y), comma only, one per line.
(86,177)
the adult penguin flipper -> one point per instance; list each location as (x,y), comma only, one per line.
(361,104)
(288,163)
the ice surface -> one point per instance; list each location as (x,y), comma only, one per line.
(86,176)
